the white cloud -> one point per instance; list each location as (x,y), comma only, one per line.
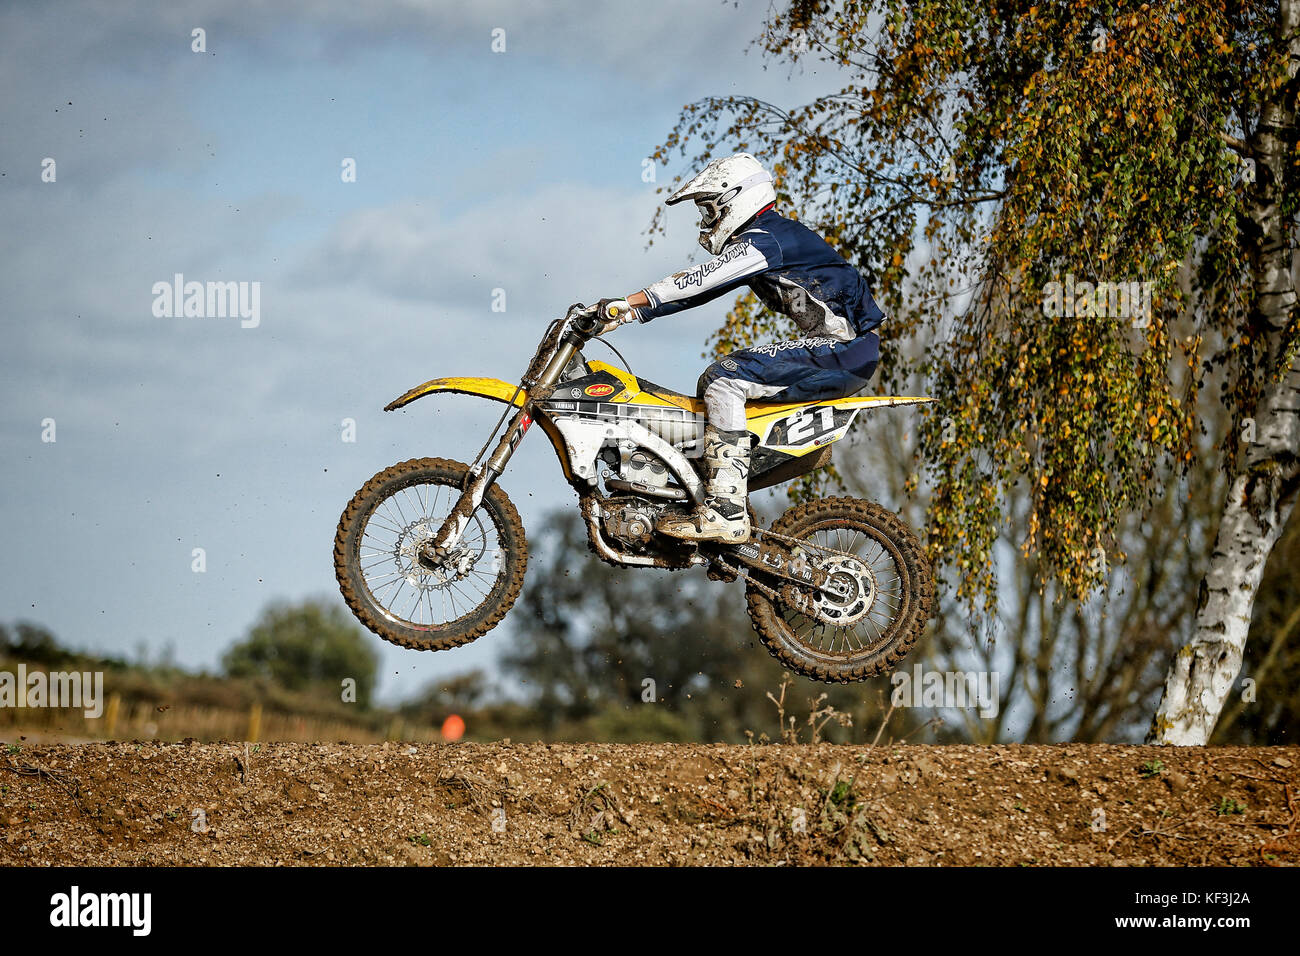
(558,244)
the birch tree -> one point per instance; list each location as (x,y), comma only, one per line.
(1095,207)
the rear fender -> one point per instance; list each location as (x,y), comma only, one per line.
(803,427)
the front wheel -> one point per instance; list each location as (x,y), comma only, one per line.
(398,593)
(886,598)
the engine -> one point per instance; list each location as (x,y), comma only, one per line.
(631,521)
(644,468)
(635,470)
(641,488)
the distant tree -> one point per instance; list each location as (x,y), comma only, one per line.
(457,694)
(32,642)
(299,646)
(588,638)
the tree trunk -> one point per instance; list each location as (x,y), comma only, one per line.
(1263,491)
(1202,672)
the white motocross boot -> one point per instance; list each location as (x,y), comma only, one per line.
(724,516)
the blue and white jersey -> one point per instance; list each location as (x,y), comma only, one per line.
(791,269)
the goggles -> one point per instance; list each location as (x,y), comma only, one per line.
(712,207)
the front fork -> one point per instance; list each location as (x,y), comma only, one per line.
(449,535)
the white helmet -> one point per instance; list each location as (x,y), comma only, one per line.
(728,193)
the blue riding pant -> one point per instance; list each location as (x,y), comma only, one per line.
(807,369)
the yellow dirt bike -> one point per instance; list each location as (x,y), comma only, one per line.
(430,553)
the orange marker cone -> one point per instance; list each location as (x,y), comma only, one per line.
(453,728)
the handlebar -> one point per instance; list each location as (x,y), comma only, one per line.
(583,320)
(587,321)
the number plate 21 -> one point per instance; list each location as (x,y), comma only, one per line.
(814,427)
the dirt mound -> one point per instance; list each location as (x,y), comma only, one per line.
(233,804)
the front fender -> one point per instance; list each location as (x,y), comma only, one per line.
(492,388)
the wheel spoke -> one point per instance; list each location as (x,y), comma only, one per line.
(403,588)
(876,559)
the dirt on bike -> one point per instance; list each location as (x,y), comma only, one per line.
(430,553)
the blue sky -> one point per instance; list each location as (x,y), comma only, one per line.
(476,170)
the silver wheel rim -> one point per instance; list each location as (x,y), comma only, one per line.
(405,591)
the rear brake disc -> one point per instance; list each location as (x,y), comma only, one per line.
(844,600)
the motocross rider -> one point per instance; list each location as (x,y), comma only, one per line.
(793,271)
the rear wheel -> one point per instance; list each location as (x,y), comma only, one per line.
(885,598)
(403,596)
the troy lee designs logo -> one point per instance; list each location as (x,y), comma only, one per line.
(808,343)
(696,276)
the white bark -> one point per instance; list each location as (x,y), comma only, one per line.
(1262,493)
(1259,503)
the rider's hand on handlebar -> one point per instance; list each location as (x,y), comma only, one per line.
(584,318)
(613,313)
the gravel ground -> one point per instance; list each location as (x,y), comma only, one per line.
(231,804)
